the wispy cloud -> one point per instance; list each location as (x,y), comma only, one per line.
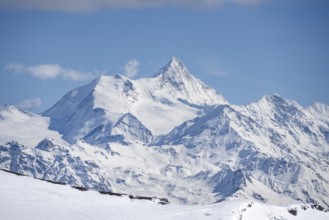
(49,71)
(211,66)
(30,103)
(131,68)
(87,5)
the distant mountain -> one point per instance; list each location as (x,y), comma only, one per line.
(172,136)
(159,103)
(273,142)
(25,127)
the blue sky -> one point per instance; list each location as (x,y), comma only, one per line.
(243,48)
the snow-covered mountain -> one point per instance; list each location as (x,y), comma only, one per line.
(24,127)
(172,136)
(273,142)
(159,103)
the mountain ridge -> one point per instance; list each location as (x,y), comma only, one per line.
(108,98)
(172,136)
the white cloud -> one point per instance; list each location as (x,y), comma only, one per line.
(87,5)
(211,66)
(49,71)
(45,71)
(131,68)
(30,103)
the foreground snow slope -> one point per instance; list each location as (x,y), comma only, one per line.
(27,198)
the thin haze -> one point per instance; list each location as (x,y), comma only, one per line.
(87,5)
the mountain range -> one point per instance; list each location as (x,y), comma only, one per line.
(172,136)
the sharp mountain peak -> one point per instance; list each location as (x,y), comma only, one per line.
(174,67)
(270,149)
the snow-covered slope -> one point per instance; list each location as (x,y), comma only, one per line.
(160,103)
(25,127)
(26,198)
(273,142)
(171,136)
(175,80)
(56,162)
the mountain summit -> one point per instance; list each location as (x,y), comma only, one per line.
(172,136)
(167,99)
(175,79)
(173,67)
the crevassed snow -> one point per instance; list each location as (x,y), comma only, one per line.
(26,198)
